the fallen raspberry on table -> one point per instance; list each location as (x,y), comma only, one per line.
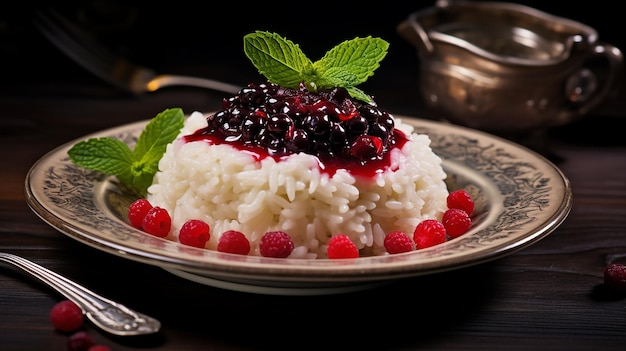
(276,244)
(232,241)
(615,277)
(340,246)
(194,233)
(138,211)
(80,341)
(66,316)
(461,200)
(398,242)
(457,222)
(429,232)
(157,222)
(99,348)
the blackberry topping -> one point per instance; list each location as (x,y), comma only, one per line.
(328,123)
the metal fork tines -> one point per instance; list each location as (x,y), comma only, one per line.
(101,61)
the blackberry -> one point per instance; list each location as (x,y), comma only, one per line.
(282,121)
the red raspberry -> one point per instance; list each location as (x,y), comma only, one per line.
(457,222)
(66,316)
(398,242)
(276,244)
(462,200)
(137,211)
(615,277)
(429,232)
(79,341)
(340,246)
(157,222)
(194,233)
(99,348)
(233,241)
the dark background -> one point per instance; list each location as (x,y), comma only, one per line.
(202,38)
(544,297)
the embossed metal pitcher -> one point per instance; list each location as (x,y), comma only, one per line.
(508,68)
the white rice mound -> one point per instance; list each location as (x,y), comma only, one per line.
(230,190)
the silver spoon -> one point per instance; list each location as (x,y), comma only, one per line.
(110,316)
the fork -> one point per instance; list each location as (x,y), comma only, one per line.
(127,76)
(110,316)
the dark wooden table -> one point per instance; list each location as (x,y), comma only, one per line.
(548,296)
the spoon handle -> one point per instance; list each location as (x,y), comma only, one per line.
(110,316)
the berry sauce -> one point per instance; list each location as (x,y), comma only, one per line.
(266,120)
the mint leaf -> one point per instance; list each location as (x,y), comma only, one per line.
(161,130)
(107,155)
(277,58)
(338,76)
(346,65)
(135,169)
(358,94)
(360,56)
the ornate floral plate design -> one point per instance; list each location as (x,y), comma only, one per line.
(520,198)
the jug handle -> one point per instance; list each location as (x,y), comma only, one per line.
(615,59)
(415,34)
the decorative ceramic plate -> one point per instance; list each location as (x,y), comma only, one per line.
(520,197)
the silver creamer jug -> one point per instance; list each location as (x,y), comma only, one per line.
(508,68)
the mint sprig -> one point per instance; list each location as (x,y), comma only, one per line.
(135,168)
(347,65)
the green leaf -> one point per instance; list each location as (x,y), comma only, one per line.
(277,58)
(135,169)
(361,56)
(161,130)
(338,76)
(141,175)
(359,94)
(107,155)
(346,65)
